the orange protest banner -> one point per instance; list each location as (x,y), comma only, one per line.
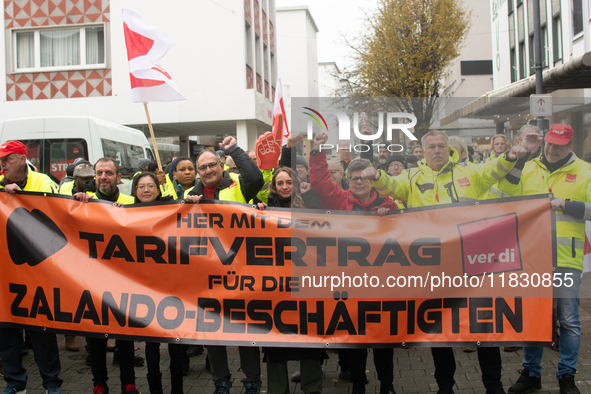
(223,273)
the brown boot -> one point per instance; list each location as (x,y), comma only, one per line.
(72,344)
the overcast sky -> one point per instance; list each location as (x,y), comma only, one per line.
(334,17)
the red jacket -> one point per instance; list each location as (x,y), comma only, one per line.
(333,197)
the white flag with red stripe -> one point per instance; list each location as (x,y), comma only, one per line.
(279,108)
(587,255)
(146,46)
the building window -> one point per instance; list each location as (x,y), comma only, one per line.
(577,16)
(522,60)
(59,49)
(557,38)
(248,45)
(532,69)
(513,66)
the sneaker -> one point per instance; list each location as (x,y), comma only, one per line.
(387,389)
(222,387)
(251,388)
(445,391)
(511,349)
(130,389)
(297,376)
(72,344)
(526,383)
(12,390)
(53,390)
(567,385)
(470,349)
(195,350)
(100,390)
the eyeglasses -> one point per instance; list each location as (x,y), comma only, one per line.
(356,179)
(396,165)
(150,186)
(210,166)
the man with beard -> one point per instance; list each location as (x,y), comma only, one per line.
(107,177)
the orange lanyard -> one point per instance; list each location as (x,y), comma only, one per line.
(436,188)
(550,186)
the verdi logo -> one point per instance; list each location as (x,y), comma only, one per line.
(490,245)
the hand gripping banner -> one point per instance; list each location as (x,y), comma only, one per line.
(224,273)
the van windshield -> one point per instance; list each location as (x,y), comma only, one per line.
(53,156)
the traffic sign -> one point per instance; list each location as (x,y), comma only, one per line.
(540,105)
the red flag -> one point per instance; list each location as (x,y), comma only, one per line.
(279,108)
(146,46)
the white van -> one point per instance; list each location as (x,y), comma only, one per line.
(53,143)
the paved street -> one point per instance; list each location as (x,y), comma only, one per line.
(413,369)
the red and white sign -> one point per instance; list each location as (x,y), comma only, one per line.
(540,105)
(480,255)
(146,46)
(278,108)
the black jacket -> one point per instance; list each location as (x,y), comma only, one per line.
(251,179)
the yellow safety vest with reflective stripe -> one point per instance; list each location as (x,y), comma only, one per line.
(66,188)
(168,189)
(123,198)
(37,182)
(570,182)
(422,186)
(231,192)
(263,194)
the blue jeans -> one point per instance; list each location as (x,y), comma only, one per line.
(45,352)
(567,312)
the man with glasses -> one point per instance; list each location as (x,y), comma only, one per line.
(359,197)
(336,173)
(217,184)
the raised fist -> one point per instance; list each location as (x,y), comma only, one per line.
(227,143)
(320,139)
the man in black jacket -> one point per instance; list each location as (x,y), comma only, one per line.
(217,184)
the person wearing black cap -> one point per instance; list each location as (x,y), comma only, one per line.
(395,164)
(302,168)
(143,164)
(18,176)
(412,161)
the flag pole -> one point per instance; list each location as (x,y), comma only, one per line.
(152,135)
